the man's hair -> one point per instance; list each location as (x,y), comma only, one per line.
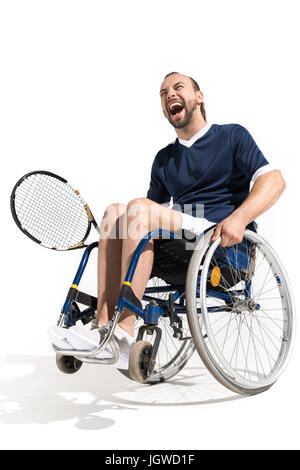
(196,88)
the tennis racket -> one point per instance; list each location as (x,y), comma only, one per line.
(51,212)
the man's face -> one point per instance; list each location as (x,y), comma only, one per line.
(179,100)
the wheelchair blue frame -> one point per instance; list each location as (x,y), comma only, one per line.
(153,311)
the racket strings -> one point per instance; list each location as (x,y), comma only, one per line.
(40,219)
(40,209)
(51,211)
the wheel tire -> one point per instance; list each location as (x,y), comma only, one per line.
(139,357)
(68,364)
(198,322)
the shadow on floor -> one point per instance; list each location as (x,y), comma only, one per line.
(33,390)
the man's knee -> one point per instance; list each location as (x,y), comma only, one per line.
(115,210)
(140,209)
(140,201)
(152,215)
(112,220)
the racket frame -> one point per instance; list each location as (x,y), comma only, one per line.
(91,220)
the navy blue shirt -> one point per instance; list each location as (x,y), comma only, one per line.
(215,171)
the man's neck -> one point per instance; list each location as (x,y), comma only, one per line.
(186,133)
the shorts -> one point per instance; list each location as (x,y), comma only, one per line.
(172,257)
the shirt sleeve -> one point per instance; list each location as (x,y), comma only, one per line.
(248,157)
(157,191)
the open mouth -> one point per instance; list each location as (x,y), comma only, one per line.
(175,108)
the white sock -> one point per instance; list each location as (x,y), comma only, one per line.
(196,225)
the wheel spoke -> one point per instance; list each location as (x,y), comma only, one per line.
(244,340)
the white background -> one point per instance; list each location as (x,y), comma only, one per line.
(79,97)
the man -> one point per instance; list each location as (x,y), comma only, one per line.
(208,166)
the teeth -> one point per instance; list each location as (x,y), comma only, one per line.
(175,104)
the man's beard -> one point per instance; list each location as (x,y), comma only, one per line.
(187,119)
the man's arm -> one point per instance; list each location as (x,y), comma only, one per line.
(157,191)
(264,193)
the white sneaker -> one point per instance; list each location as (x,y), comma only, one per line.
(79,337)
(82,338)
(87,340)
(58,337)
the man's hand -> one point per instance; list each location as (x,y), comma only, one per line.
(231,230)
(264,193)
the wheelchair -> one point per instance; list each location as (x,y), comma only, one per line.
(235,308)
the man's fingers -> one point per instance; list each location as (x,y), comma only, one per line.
(226,242)
(217,233)
(229,241)
(230,232)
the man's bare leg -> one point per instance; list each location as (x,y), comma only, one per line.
(115,253)
(143,216)
(109,261)
(113,231)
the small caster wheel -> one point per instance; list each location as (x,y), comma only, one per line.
(139,361)
(68,364)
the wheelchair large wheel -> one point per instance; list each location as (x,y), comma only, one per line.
(242,324)
(173,354)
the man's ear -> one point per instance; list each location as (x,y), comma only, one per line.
(199,97)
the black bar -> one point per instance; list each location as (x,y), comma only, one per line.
(82,298)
